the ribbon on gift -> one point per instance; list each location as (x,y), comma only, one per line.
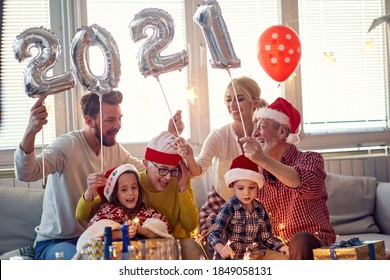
(355,241)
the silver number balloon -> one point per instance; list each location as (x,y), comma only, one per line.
(208,16)
(150,61)
(95,35)
(36,81)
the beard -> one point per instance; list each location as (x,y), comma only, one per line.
(108,140)
(268,145)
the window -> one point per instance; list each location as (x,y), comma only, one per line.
(17,17)
(244,32)
(344,68)
(344,103)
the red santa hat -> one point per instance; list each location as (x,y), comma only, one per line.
(112,176)
(162,149)
(243,168)
(283,112)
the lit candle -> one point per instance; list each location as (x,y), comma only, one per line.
(136,221)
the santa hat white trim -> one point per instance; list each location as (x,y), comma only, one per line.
(278,116)
(236,174)
(95,230)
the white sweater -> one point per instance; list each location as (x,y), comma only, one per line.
(68,161)
(219,149)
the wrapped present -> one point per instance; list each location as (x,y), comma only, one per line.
(352,249)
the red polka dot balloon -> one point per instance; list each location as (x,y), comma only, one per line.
(279,52)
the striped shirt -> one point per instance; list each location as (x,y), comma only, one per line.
(302,209)
(244,230)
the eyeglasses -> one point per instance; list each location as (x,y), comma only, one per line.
(162,171)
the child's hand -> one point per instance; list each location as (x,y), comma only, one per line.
(227,252)
(132,229)
(284,249)
(224,251)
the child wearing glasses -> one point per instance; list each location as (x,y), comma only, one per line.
(166,187)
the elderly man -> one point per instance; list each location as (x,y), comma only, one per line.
(294,192)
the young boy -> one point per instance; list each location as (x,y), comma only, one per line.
(242,226)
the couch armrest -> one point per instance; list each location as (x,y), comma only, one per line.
(382,207)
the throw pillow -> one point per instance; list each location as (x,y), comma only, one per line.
(351,203)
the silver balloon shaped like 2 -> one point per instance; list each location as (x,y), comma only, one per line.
(208,16)
(95,35)
(150,61)
(36,81)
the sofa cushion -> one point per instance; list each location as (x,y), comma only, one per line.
(351,203)
(20,213)
(382,207)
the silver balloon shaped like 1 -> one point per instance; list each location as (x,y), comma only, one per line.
(208,16)
(36,81)
(150,60)
(95,35)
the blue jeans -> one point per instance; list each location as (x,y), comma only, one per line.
(45,250)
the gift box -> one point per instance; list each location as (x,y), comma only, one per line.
(353,249)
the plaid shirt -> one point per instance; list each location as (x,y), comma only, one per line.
(302,209)
(244,230)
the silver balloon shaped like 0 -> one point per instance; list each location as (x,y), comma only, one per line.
(150,61)
(36,81)
(95,35)
(208,16)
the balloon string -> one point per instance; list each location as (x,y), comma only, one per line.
(43,157)
(239,109)
(169,108)
(101,132)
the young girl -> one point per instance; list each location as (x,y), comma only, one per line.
(122,203)
(242,226)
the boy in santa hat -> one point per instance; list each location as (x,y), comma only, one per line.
(294,191)
(242,229)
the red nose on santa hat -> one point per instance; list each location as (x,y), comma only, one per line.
(242,168)
(283,112)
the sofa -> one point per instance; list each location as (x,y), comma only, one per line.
(358,207)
